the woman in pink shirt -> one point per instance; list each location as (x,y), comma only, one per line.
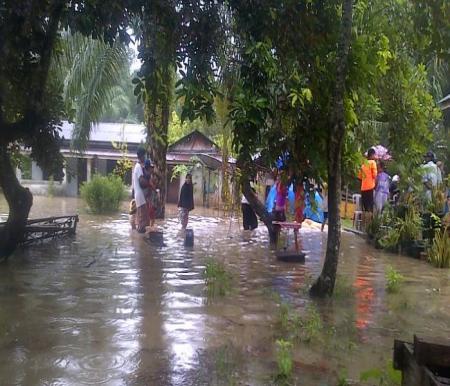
(280,200)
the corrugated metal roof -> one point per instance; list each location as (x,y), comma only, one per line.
(107,132)
(194,142)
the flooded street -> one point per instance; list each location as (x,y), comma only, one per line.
(106,307)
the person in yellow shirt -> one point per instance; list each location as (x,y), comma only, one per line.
(368,176)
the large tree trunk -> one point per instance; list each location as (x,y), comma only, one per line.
(324,285)
(19,201)
(157,148)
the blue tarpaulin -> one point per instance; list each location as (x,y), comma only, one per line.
(309,213)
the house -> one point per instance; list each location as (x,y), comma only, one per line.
(110,142)
(204,160)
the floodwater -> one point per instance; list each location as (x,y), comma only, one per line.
(107,308)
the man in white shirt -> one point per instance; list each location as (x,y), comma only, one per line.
(138,184)
(429,175)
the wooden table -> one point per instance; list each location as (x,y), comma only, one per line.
(290,225)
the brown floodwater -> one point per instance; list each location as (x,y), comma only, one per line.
(108,308)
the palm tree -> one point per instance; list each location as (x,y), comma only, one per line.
(90,72)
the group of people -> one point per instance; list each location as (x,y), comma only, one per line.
(145,196)
(377,187)
(280,181)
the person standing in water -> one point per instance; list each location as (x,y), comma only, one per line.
(368,175)
(186,201)
(139,183)
(382,184)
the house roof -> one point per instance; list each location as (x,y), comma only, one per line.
(194,142)
(107,132)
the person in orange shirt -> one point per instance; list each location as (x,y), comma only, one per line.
(368,176)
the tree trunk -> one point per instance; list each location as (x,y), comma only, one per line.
(324,285)
(255,204)
(19,201)
(157,148)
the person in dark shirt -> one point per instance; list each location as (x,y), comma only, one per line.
(186,201)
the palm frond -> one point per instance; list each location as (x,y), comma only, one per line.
(90,71)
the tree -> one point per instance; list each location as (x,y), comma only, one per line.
(175,35)
(30,102)
(89,70)
(325,283)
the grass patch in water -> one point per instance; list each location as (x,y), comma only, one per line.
(305,327)
(343,288)
(393,280)
(386,376)
(285,363)
(225,365)
(217,278)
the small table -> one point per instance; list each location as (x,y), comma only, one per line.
(290,225)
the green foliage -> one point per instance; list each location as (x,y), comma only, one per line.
(217,279)
(343,288)
(103,194)
(89,71)
(179,170)
(393,228)
(305,327)
(439,252)
(284,358)
(387,376)
(124,165)
(393,280)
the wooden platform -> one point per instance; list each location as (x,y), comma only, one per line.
(40,229)
(425,362)
(155,237)
(49,227)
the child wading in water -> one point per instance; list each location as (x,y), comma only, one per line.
(186,201)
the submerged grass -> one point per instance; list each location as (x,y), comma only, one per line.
(343,288)
(305,327)
(386,376)
(217,279)
(284,359)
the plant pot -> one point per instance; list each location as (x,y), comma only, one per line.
(393,249)
(426,220)
(413,248)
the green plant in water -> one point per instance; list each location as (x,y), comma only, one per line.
(373,227)
(284,315)
(343,288)
(217,278)
(387,376)
(311,325)
(103,194)
(225,365)
(439,252)
(284,358)
(393,280)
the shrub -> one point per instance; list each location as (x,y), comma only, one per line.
(439,252)
(103,194)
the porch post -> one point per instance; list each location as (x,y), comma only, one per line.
(88,169)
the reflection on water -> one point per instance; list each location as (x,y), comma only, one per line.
(109,308)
